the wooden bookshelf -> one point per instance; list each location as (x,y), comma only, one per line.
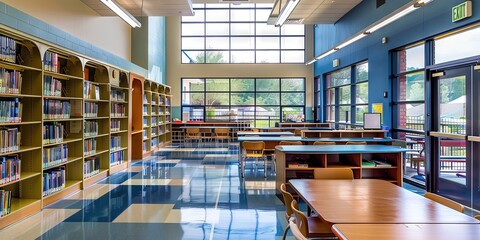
(119,100)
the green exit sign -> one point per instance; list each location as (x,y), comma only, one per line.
(462,11)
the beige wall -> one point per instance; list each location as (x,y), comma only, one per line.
(176,70)
(72,16)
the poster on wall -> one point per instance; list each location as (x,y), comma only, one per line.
(378,108)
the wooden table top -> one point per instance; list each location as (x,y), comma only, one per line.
(339,149)
(372,201)
(407,231)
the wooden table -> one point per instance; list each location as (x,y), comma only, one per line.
(372,201)
(407,231)
(265,134)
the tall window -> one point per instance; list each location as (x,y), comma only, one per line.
(346,94)
(262,101)
(229,33)
(409,102)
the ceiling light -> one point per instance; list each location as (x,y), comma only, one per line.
(121,12)
(286,11)
(399,13)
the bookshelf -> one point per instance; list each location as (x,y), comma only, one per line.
(156,120)
(64,123)
(119,100)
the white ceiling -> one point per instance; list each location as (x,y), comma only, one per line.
(311,11)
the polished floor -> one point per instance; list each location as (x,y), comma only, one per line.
(178,193)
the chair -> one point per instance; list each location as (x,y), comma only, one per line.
(310,227)
(290,143)
(477,217)
(298,132)
(324,143)
(222,134)
(253,149)
(333,173)
(274,130)
(295,231)
(287,200)
(192,134)
(445,201)
(356,143)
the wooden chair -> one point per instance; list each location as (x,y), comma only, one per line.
(287,200)
(221,135)
(290,143)
(477,217)
(324,143)
(253,149)
(274,130)
(356,143)
(295,231)
(311,227)
(445,201)
(192,134)
(333,173)
(298,132)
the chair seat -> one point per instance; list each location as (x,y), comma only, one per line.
(318,228)
(254,155)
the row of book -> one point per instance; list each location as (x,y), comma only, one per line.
(55,155)
(117,110)
(116,158)
(53,180)
(91,166)
(50,62)
(91,90)
(117,95)
(154,121)
(90,146)
(9,140)
(90,128)
(10,110)
(115,143)
(115,125)
(8,49)
(52,133)
(56,109)
(10,81)
(145,122)
(9,168)
(154,142)
(145,146)
(52,86)
(5,202)
(91,109)
(145,110)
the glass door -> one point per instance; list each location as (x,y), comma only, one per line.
(451,159)
(474,139)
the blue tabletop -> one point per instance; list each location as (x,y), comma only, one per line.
(297,138)
(265,133)
(339,149)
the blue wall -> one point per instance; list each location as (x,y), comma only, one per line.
(424,23)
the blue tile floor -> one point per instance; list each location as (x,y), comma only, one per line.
(177,193)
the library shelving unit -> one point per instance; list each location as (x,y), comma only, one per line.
(366,161)
(119,99)
(344,133)
(96,95)
(157,123)
(303,124)
(62,125)
(147,118)
(21,113)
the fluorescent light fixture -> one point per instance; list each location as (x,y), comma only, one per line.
(399,13)
(121,12)
(286,11)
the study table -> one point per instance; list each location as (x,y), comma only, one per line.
(264,134)
(372,201)
(407,231)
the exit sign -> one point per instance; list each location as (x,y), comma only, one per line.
(462,11)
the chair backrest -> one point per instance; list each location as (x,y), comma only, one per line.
(296,232)
(333,173)
(193,131)
(300,219)
(323,143)
(287,199)
(254,147)
(255,130)
(445,201)
(356,143)
(222,131)
(298,132)
(290,143)
(477,217)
